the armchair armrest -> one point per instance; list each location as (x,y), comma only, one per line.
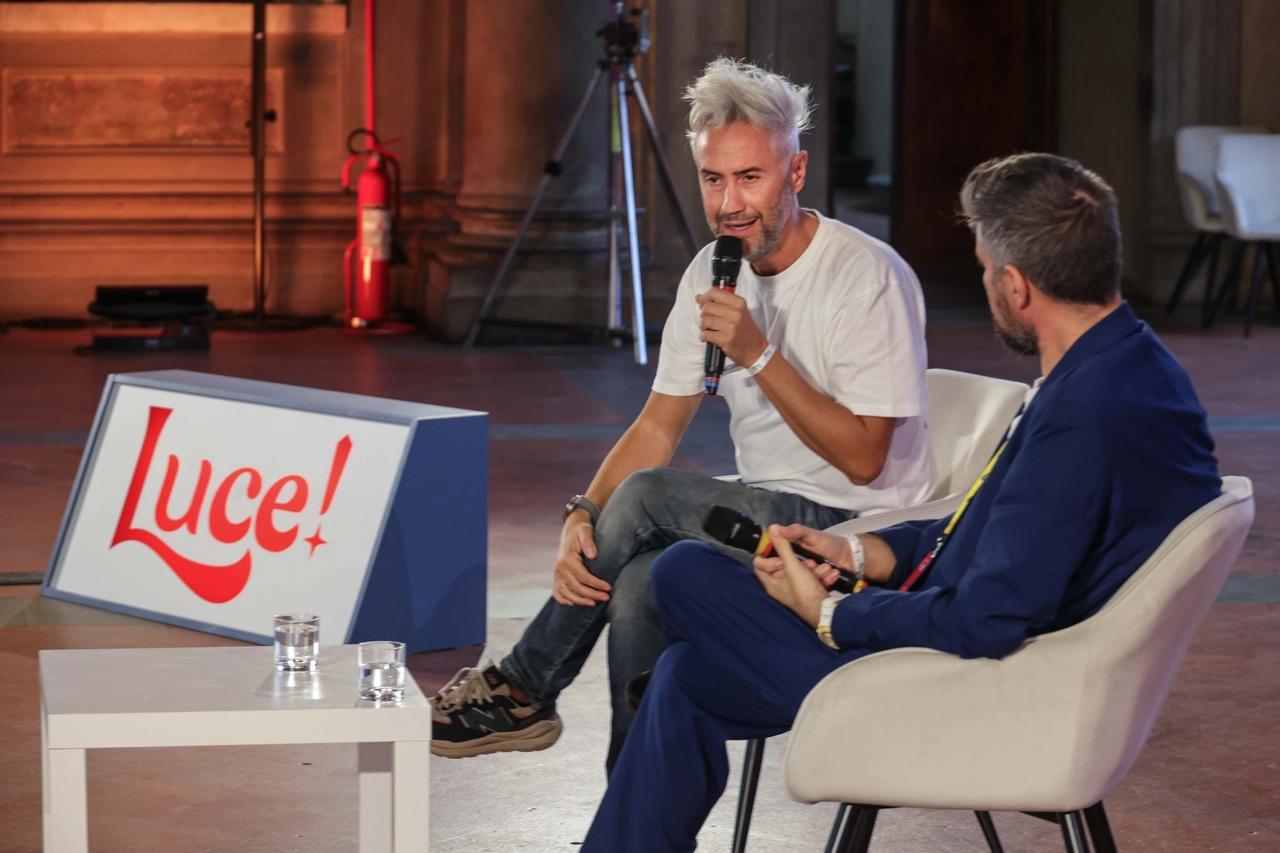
(940,508)
(920,728)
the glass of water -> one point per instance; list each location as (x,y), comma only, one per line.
(297,642)
(381,671)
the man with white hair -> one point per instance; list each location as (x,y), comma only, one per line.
(826,392)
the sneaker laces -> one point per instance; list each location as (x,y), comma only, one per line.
(466,688)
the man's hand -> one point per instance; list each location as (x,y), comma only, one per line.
(832,548)
(574,583)
(728,324)
(789,582)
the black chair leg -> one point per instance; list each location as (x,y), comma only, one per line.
(1274,273)
(1228,284)
(1100,828)
(751,764)
(1194,259)
(1254,286)
(842,830)
(1073,834)
(989,830)
(1215,249)
(862,830)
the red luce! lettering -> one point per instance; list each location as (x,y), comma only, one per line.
(220,583)
(264,528)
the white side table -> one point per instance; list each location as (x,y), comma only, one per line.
(98,698)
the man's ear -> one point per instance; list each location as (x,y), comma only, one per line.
(1017,287)
(799,167)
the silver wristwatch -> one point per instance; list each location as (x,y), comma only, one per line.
(582,502)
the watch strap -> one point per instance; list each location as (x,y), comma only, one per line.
(825,615)
(585,503)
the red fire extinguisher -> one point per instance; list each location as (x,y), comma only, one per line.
(369,257)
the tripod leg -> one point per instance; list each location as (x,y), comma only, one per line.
(633,237)
(614,311)
(663,169)
(551,170)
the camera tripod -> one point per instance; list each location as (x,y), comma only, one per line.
(622,41)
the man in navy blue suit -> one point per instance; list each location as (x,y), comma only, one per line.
(1110,452)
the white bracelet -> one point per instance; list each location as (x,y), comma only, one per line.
(768,353)
(859,556)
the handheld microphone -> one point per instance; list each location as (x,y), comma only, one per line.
(725,263)
(738,530)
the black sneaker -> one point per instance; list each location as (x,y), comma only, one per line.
(635,690)
(479,711)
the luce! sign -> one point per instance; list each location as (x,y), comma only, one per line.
(215,503)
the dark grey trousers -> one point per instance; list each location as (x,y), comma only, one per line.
(649,511)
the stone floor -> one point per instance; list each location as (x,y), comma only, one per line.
(1209,778)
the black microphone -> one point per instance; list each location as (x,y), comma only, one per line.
(726,260)
(738,530)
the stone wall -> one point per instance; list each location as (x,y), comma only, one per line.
(156,187)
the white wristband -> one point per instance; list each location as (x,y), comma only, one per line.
(859,556)
(768,353)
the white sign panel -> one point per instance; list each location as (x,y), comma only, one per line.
(224,512)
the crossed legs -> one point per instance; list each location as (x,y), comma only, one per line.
(738,666)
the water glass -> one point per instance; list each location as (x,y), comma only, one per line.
(381,671)
(297,642)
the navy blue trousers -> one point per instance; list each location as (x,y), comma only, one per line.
(738,666)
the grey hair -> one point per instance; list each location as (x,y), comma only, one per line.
(732,90)
(1053,219)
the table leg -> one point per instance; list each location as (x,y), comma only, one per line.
(45,801)
(66,816)
(412,770)
(376,815)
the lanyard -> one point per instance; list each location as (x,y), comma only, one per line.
(951,525)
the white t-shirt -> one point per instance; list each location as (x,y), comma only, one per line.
(848,315)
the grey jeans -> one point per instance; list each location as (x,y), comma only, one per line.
(650,510)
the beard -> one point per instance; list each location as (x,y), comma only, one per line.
(1017,338)
(772,222)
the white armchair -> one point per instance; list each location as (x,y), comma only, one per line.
(1049,730)
(1248,180)
(1196,153)
(967,416)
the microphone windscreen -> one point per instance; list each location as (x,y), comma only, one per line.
(726,258)
(731,527)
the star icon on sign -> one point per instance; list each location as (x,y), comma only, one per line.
(315,542)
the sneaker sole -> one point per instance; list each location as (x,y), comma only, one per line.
(538,736)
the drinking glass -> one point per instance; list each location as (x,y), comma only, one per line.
(297,642)
(381,671)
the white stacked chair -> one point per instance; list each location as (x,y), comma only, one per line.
(1196,153)
(1248,180)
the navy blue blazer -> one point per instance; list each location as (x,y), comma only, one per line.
(1111,454)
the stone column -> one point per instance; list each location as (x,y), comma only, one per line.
(686,36)
(525,68)
(793,38)
(797,39)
